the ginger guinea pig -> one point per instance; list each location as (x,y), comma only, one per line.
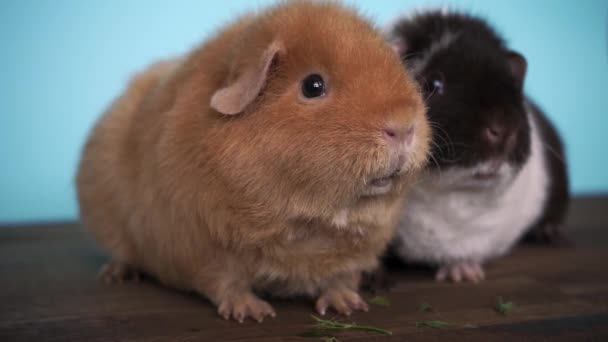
(271,160)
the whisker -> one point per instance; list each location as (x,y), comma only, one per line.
(438,166)
(429,95)
(555,153)
(442,133)
(409,55)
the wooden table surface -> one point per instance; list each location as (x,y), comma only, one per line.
(49,292)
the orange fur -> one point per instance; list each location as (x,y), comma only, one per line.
(225,205)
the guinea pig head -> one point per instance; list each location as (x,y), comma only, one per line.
(476,106)
(316,112)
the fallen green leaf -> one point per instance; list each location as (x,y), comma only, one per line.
(432,324)
(323,324)
(380,300)
(503,307)
(425,307)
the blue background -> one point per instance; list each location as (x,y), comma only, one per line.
(63,61)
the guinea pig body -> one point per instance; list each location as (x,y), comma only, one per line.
(497,167)
(258,163)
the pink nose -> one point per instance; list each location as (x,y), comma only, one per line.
(400,134)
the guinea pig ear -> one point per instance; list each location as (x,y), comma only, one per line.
(243,90)
(518,65)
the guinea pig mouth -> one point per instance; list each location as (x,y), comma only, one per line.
(384,181)
(485,175)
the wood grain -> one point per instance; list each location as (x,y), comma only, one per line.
(49,292)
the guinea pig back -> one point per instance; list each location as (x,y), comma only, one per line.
(271,159)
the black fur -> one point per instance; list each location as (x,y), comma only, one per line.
(481,90)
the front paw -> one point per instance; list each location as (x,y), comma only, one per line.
(118,272)
(343,301)
(242,306)
(461,271)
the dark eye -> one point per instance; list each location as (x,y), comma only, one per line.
(313,86)
(437,87)
(433,83)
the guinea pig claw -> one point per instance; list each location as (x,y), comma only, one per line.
(455,274)
(360,305)
(322,311)
(223,311)
(474,272)
(241,307)
(321,306)
(259,316)
(343,301)
(461,272)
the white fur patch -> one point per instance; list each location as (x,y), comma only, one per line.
(340,220)
(450,216)
(441,44)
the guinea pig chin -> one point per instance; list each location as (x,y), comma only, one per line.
(387,180)
(491,173)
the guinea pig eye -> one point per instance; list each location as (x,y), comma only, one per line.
(437,87)
(313,86)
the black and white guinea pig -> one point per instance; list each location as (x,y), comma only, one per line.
(497,170)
